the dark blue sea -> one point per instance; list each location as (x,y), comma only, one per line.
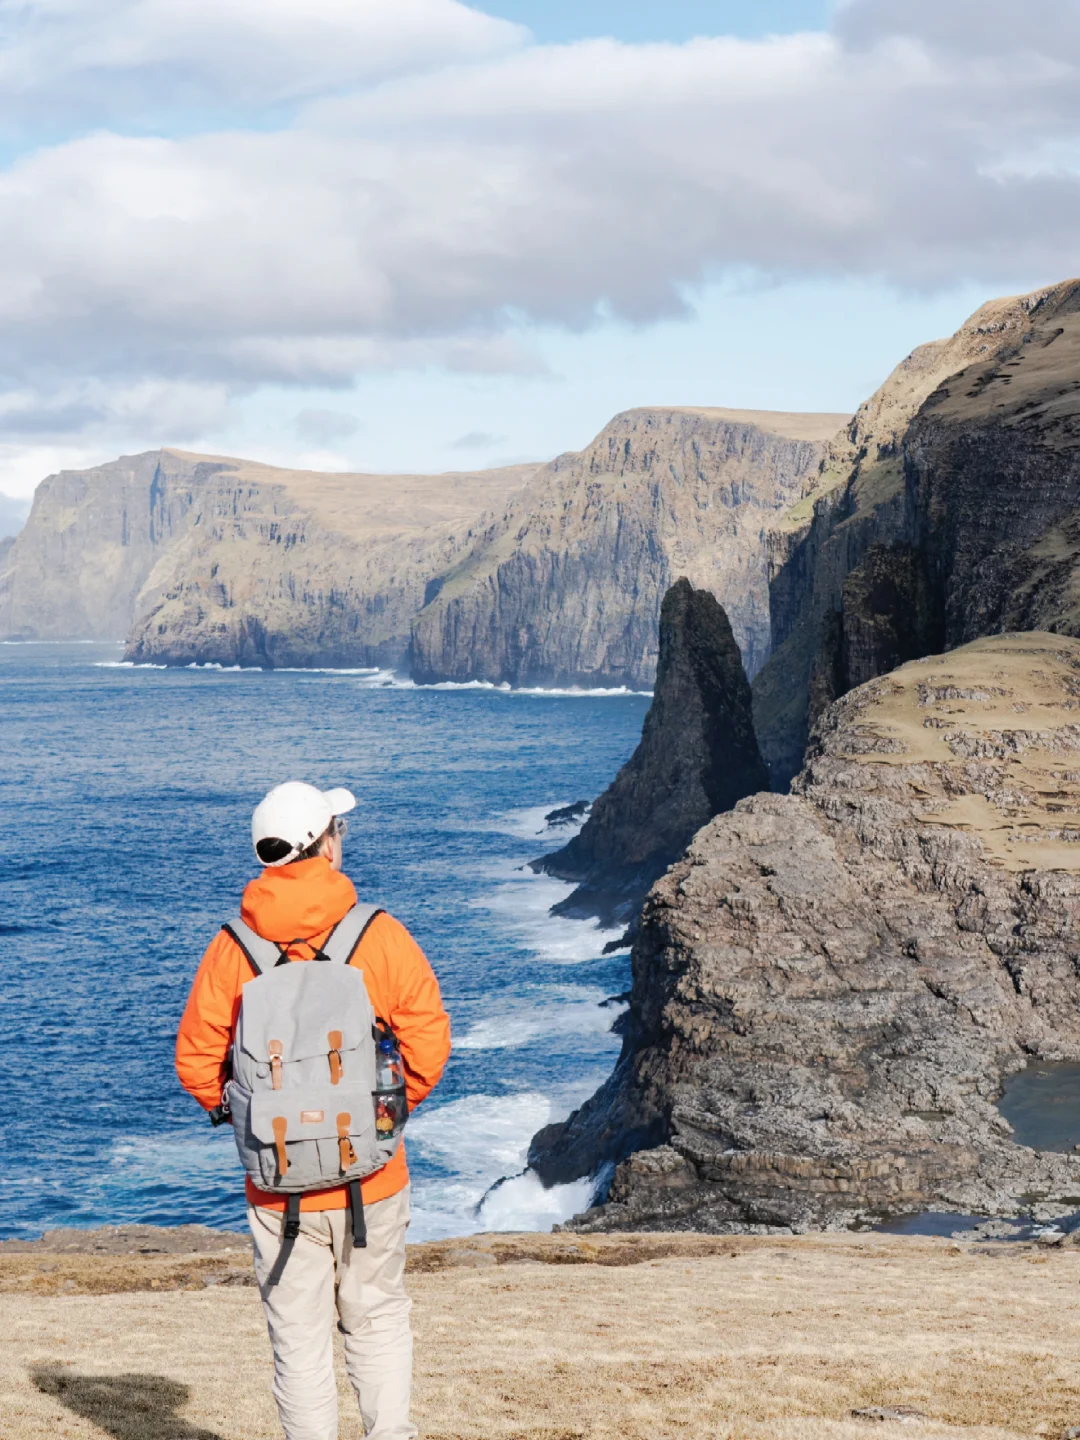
(125,801)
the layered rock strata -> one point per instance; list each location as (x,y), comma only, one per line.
(697,757)
(565,586)
(948,510)
(831,987)
(207,559)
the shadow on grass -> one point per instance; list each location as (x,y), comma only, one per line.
(128,1407)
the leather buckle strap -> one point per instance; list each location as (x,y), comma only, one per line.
(281,1129)
(346,1153)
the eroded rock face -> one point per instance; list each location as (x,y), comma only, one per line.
(949,509)
(831,986)
(203,559)
(697,757)
(564,587)
(92,538)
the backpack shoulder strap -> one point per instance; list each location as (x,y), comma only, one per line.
(348,933)
(262,955)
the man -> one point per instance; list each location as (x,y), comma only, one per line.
(296,902)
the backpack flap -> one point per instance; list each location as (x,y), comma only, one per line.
(291,1013)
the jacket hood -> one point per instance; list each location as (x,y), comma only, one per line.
(298,901)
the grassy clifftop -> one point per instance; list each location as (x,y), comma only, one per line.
(613,1338)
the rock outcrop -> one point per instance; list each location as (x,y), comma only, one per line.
(949,509)
(831,986)
(205,559)
(696,758)
(74,571)
(564,587)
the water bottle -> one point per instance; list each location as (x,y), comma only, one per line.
(391,1106)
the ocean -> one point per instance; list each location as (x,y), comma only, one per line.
(125,797)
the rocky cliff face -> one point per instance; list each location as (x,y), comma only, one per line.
(947,510)
(93,536)
(202,559)
(831,986)
(697,757)
(565,586)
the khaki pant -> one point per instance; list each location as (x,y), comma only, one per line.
(325,1280)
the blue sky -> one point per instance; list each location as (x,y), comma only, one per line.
(557,21)
(415,235)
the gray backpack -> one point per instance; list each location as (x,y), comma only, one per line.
(301,1094)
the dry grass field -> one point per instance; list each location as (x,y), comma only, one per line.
(560,1338)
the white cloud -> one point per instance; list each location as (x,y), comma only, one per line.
(444,185)
(95,406)
(131,62)
(966,27)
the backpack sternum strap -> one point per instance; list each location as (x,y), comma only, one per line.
(263,955)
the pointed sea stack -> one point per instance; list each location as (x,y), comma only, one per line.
(697,758)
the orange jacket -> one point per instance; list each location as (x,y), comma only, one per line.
(302,903)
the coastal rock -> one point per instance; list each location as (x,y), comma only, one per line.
(565,586)
(568,814)
(204,559)
(93,536)
(947,510)
(831,987)
(697,756)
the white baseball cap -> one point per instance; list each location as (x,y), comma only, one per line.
(292,817)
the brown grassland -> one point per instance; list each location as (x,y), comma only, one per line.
(566,1338)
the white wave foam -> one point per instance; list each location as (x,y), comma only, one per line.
(246,669)
(327,670)
(522,907)
(531,823)
(390,680)
(522,1204)
(575,691)
(127,665)
(213,665)
(484,1136)
(370,678)
(573,1010)
(480,1140)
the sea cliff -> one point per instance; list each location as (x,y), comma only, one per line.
(565,586)
(697,757)
(209,559)
(947,510)
(831,986)
(529,575)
